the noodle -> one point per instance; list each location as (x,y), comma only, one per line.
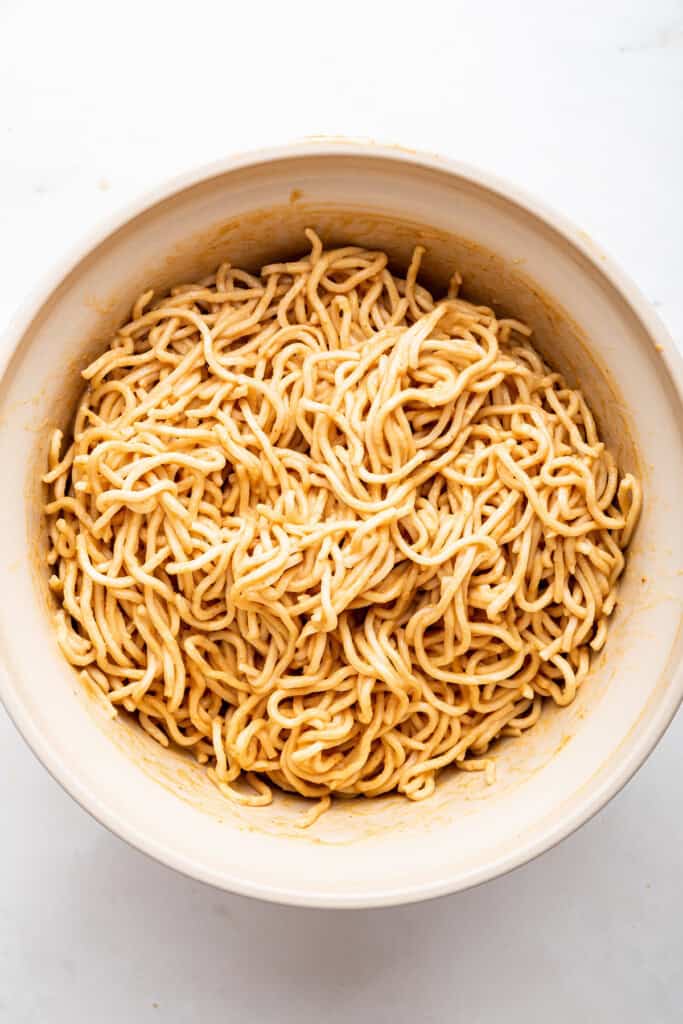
(328,534)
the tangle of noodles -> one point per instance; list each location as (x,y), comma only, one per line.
(327,533)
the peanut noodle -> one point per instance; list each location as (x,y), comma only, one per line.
(325,532)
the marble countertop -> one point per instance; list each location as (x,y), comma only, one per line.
(582,104)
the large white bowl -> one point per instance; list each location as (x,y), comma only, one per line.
(588,320)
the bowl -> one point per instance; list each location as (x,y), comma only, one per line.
(589,322)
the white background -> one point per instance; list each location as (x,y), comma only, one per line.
(582,104)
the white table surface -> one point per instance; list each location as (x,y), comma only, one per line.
(582,104)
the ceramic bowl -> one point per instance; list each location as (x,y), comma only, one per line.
(590,323)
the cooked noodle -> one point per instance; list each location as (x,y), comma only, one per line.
(327,533)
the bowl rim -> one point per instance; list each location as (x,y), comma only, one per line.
(667,703)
